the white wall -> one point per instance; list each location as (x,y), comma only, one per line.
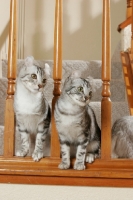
(4,27)
(82,34)
(82,40)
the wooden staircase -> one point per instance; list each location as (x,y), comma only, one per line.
(127,64)
(104,171)
(127,57)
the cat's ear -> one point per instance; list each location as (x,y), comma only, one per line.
(75,74)
(29,61)
(95,83)
(47,70)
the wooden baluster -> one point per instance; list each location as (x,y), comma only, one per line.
(9,111)
(130,50)
(129,8)
(57,74)
(106,77)
(132,34)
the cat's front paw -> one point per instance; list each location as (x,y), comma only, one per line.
(79,166)
(21,153)
(90,158)
(37,156)
(63,165)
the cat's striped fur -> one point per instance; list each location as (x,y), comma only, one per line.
(31,108)
(122,138)
(76,122)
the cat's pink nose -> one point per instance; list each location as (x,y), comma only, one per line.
(86,98)
(40,86)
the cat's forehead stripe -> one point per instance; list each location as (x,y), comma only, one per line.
(86,83)
(82,82)
(38,69)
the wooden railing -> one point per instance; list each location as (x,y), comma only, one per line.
(104,171)
(129,9)
(127,61)
(57,74)
(128,16)
(106,76)
(12,63)
(124,24)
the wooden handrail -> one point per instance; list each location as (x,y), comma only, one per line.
(57,74)
(12,62)
(106,76)
(124,24)
(128,17)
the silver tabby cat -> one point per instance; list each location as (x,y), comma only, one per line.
(122,138)
(76,122)
(31,108)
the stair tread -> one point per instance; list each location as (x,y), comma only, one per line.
(86,67)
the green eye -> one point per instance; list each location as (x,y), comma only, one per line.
(80,89)
(34,76)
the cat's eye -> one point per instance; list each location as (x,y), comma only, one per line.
(34,76)
(80,89)
(44,80)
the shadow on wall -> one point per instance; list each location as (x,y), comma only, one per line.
(85,42)
(38,44)
(4,35)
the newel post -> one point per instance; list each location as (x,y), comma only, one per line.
(12,63)
(106,77)
(57,74)
(132,34)
(129,8)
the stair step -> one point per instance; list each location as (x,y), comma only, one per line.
(18,143)
(89,68)
(117,93)
(119,109)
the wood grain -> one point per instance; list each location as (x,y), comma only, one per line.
(12,64)
(57,74)
(106,77)
(104,171)
(127,61)
(129,8)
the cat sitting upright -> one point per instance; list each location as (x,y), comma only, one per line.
(76,122)
(32,111)
(122,138)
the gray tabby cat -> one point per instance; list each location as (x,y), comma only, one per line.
(122,138)
(31,108)
(76,122)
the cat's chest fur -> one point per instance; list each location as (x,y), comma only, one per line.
(26,102)
(71,118)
